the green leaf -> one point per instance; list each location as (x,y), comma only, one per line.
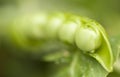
(81,65)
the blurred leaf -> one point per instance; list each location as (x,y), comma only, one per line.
(81,66)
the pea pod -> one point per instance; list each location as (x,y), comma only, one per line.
(31,31)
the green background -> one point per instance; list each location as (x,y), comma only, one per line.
(106,12)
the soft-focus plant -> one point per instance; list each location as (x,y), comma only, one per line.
(70,45)
(59,44)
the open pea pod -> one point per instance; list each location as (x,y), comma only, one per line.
(76,46)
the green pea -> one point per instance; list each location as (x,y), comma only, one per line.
(88,39)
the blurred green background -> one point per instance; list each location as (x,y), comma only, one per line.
(106,12)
